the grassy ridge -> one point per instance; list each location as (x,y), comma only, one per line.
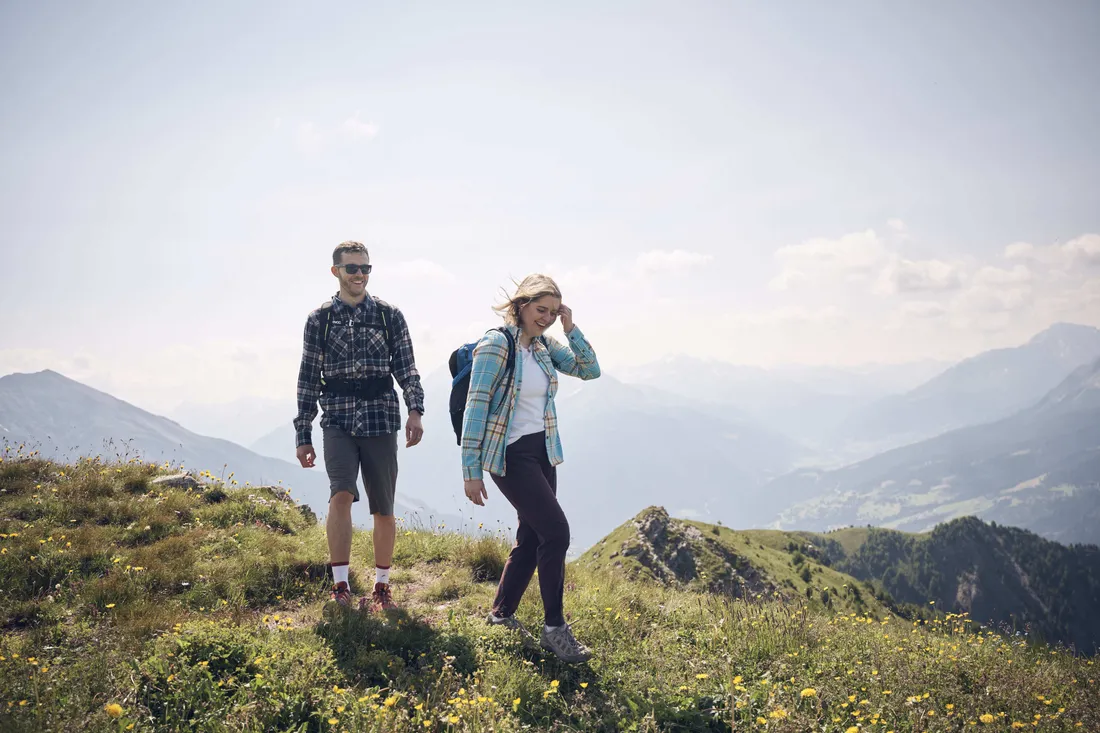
(128,605)
(770,560)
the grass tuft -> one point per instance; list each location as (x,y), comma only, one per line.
(485,557)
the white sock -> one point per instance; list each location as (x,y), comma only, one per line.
(339,574)
(551,628)
(381,575)
(495,617)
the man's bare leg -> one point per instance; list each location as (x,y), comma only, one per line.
(338,533)
(385,532)
(385,529)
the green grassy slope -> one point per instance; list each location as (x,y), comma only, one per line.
(128,605)
(750,564)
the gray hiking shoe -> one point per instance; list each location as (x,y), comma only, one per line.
(513,623)
(564,645)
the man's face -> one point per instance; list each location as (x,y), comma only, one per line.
(353,283)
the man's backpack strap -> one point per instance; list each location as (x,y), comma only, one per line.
(386,326)
(326,320)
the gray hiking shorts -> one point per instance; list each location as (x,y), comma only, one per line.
(375,457)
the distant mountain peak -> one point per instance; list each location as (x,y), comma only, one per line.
(1064,330)
(42,374)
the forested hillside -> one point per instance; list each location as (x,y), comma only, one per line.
(1001,575)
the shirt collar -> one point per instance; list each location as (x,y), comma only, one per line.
(338,305)
(536,344)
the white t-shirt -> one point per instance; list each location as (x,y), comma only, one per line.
(530,414)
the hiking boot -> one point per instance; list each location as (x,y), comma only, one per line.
(513,623)
(380,599)
(564,645)
(341,593)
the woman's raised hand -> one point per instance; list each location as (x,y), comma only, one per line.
(565,313)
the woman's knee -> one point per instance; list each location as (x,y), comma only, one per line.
(557,535)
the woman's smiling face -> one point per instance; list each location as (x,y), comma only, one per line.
(539,315)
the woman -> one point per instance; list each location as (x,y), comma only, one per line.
(510,431)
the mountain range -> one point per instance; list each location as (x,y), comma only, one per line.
(808,404)
(1038,468)
(712,442)
(981,389)
(64,420)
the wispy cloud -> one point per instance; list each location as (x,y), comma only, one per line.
(916,276)
(627,276)
(851,258)
(1083,250)
(943,301)
(357,128)
(311,137)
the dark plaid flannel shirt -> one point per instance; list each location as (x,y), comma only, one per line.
(356,348)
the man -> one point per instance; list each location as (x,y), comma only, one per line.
(353,348)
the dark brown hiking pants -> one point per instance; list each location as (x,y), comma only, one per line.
(542,538)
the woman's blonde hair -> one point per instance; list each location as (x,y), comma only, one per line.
(530,289)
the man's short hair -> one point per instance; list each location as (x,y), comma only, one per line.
(348,247)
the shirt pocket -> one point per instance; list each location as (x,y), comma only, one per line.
(376,350)
(339,344)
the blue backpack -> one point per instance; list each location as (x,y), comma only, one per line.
(460,363)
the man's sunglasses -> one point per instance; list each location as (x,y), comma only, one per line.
(352,269)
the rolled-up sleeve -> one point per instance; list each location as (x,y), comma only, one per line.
(309,382)
(578,359)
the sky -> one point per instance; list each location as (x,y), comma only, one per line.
(759,183)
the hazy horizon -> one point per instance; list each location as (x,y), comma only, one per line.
(762,185)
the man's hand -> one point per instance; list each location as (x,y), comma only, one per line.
(475,491)
(306,455)
(565,313)
(414,430)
